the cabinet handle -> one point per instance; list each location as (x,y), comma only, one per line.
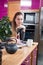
(36,49)
(35,56)
(26,61)
(30,57)
(31,32)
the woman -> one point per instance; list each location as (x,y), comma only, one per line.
(18,27)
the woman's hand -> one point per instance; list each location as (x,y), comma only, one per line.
(21,26)
(18,41)
(18,36)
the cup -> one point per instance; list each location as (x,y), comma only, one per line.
(29,42)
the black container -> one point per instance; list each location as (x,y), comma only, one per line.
(11,48)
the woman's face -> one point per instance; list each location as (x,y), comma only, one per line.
(19,20)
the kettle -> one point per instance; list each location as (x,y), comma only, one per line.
(11,48)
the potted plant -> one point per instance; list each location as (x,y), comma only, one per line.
(5,33)
(5,28)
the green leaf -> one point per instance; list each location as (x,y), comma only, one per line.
(5,28)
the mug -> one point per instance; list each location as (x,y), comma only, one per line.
(29,42)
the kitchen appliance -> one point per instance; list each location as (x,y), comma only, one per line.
(29,18)
(41,24)
(31,21)
(30,30)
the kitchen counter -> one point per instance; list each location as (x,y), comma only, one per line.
(18,57)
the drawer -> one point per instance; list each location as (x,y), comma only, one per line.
(28,62)
(34,53)
(28,58)
(34,56)
(34,61)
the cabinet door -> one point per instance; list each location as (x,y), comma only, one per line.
(34,56)
(27,61)
(34,61)
(13,7)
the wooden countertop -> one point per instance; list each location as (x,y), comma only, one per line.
(18,57)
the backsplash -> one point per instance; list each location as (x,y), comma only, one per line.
(35,5)
(41,3)
(4,10)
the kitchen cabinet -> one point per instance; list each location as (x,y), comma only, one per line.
(27,61)
(23,56)
(13,7)
(34,56)
(35,5)
(31,59)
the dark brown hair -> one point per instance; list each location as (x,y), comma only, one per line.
(14,22)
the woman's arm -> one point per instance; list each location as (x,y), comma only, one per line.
(22,35)
(21,32)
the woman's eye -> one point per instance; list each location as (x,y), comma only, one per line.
(19,19)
